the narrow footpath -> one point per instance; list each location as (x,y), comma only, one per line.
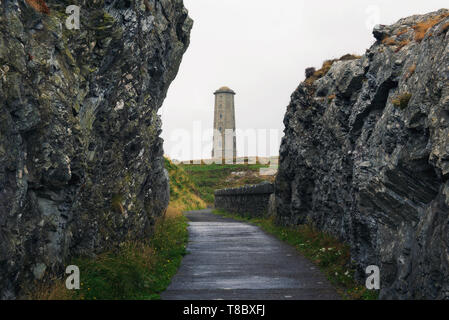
(232,260)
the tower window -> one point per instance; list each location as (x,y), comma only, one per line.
(221,116)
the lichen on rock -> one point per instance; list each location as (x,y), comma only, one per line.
(371,164)
(66,150)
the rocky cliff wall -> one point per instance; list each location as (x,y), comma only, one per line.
(81,167)
(365,156)
(252,200)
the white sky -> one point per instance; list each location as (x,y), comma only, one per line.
(260,49)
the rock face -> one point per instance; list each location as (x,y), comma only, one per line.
(365,157)
(81,167)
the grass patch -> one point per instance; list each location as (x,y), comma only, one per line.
(325,251)
(422,28)
(184,194)
(318,74)
(402,100)
(135,271)
(211,177)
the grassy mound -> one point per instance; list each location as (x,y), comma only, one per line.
(184,195)
(209,178)
(136,270)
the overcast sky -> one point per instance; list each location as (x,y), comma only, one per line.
(260,49)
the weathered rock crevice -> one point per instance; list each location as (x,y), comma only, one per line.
(81,160)
(365,156)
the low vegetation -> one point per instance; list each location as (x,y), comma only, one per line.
(420,31)
(402,100)
(184,194)
(318,74)
(401,32)
(325,251)
(138,269)
(211,177)
(422,28)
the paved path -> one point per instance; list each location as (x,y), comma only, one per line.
(232,260)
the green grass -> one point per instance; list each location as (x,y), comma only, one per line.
(402,100)
(209,178)
(135,271)
(184,194)
(325,251)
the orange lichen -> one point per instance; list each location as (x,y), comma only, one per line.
(39,5)
(389,41)
(401,32)
(444,28)
(402,44)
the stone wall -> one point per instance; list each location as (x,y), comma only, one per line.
(253,201)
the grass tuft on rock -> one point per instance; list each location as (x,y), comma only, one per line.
(184,194)
(423,27)
(318,74)
(134,271)
(402,100)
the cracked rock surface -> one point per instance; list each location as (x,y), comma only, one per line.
(81,160)
(365,157)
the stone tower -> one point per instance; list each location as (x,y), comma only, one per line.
(224,144)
